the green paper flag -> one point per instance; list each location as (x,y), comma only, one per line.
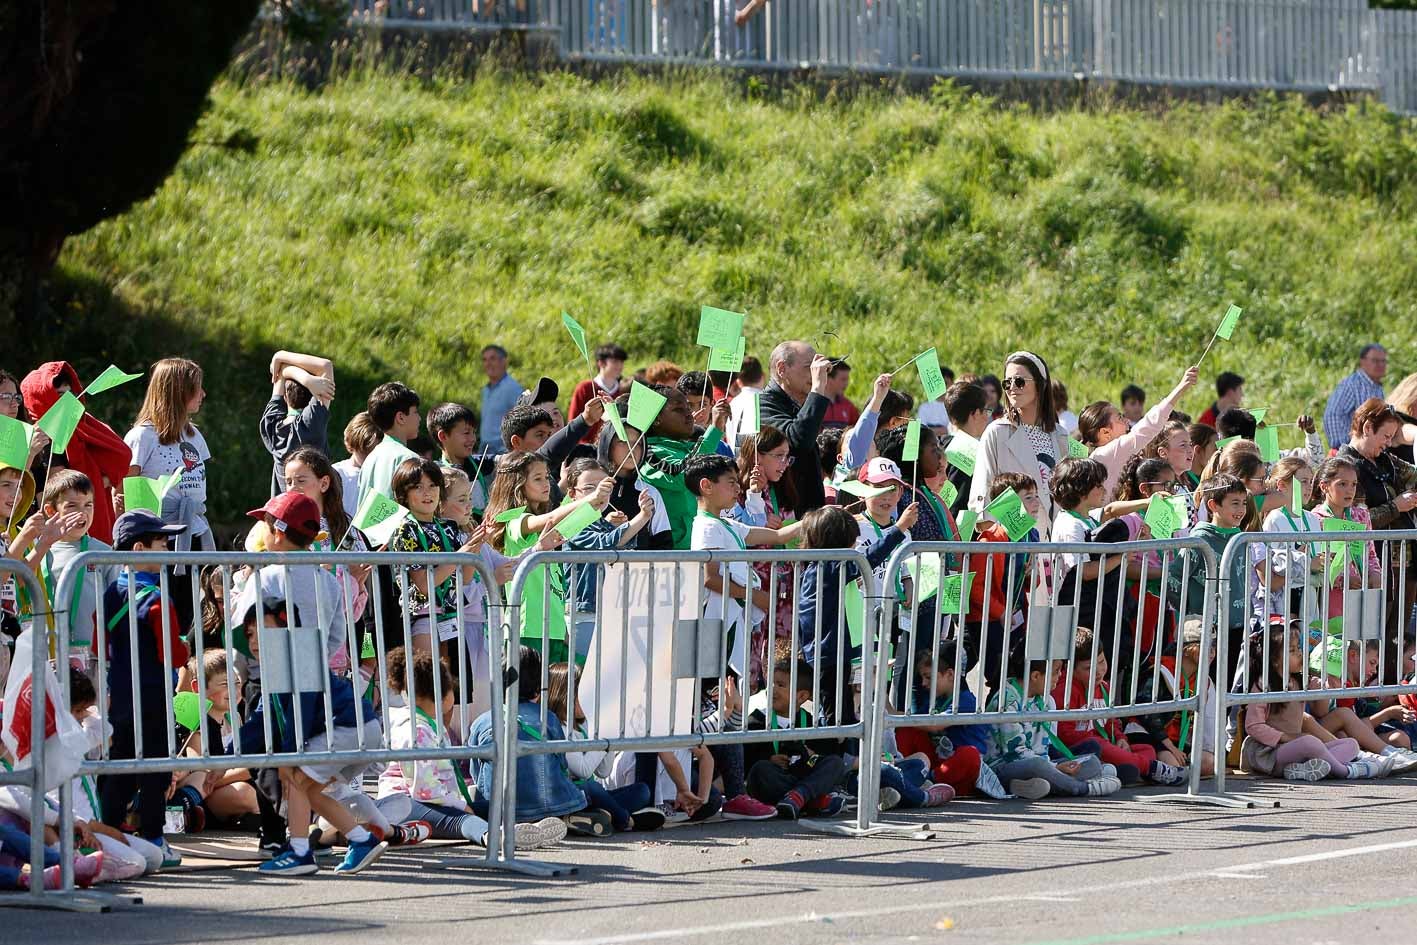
(728,359)
(511,515)
(1350,552)
(378,516)
(962,454)
(968,519)
(1267,439)
(1007,509)
(1161,517)
(165,483)
(931,378)
(926,575)
(948,493)
(616,424)
(577,335)
(719,329)
(753,420)
(61,420)
(366,648)
(110,378)
(1077,449)
(1221,444)
(186,712)
(14,442)
(140,493)
(1228,323)
(855,607)
(1296,501)
(1258,413)
(645,405)
(575,523)
(911,452)
(954,592)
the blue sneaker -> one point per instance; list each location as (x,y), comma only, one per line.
(290,863)
(362,854)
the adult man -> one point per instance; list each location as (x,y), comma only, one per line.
(1357,387)
(795,402)
(842,412)
(610,367)
(499,395)
(1229,392)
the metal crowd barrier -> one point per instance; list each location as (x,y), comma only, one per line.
(1342,601)
(956,627)
(663,648)
(28,775)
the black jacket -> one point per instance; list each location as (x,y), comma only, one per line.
(800,424)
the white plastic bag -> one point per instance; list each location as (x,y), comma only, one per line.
(65,741)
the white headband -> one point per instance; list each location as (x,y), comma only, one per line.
(1035,359)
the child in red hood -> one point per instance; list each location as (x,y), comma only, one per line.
(95,450)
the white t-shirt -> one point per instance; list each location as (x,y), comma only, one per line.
(1068,527)
(933,414)
(189,454)
(349,482)
(315,593)
(719,534)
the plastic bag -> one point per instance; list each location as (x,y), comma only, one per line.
(65,741)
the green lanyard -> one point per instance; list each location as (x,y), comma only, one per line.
(442,589)
(142,593)
(880,535)
(85,783)
(45,569)
(951,562)
(715,518)
(1053,739)
(1289,516)
(1185,716)
(804,721)
(457,774)
(1101,724)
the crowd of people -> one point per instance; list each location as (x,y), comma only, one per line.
(765,456)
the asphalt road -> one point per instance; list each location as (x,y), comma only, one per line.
(1332,864)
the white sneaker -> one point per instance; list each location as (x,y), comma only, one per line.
(1360,768)
(1030,789)
(1315,769)
(1101,787)
(1386,764)
(890,797)
(1406,760)
(540,834)
(1108,771)
(1163,773)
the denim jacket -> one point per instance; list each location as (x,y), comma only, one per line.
(544,786)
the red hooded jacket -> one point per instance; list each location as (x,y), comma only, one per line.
(96,451)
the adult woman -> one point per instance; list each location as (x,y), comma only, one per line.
(1387,486)
(1403,399)
(1027,439)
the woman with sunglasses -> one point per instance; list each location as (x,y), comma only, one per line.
(1103,429)
(1387,486)
(1027,440)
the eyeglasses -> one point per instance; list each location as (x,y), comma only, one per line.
(787,460)
(9,398)
(1016,381)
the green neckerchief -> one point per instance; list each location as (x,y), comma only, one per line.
(714,518)
(1086,520)
(1194,480)
(1226,532)
(804,721)
(45,567)
(1063,750)
(1185,716)
(457,774)
(1101,724)
(442,589)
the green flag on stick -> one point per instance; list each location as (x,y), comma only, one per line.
(378,516)
(60,421)
(931,378)
(719,329)
(14,442)
(911,451)
(577,335)
(111,377)
(645,405)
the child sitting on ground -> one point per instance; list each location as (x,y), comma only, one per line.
(1187,730)
(953,754)
(209,798)
(795,775)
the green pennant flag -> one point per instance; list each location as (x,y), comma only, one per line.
(1077,449)
(1161,517)
(911,451)
(378,517)
(1228,323)
(1350,552)
(948,493)
(855,606)
(187,712)
(719,329)
(645,405)
(925,572)
(931,378)
(141,493)
(1296,500)
(963,452)
(110,378)
(954,593)
(1221,444)
(577,335)
(60,421)
(14,442)
(1007,509)
(511,515)
(618,425)
(366,648)
(580,518)
(968,519)
(1267,439)
(729,359)
(1258,413)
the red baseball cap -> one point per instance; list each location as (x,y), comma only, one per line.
(295,514)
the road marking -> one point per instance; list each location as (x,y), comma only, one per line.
(748,925)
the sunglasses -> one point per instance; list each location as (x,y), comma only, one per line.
(1015,382)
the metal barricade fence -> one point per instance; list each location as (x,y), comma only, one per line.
(307,634)
(971,619)
(27,774)
(1318,617)
(683,652)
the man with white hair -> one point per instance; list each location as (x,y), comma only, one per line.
(795,402)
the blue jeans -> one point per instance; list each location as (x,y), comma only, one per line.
(1039,767)
(907,778)
(619,803)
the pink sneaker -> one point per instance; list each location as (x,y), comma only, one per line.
(51,879)
(87,868)
(744,807)
(938,795)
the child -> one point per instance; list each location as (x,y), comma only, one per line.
(1287,581)
(1087,688)
(298,413)
(1079,488)
(604,534)
(69,498)
(526,429)
(455,428)
(1337,482)
(394,410)
(969,416)
(953,755)
(311,730)
(222,796)
(361,436)
(521,493)
(794,775)
(625,459)
(629,807)
(993,635)
(1190,736)
(1203,437)
(1334,665)
(670,444)
(1019,751)
(433,791)
(769,500)
(1227,502)
(1277,740)
(1133,404)
(148,655)
(418,487)
(1141,478)
(477,668)
(164,440)
(935,522)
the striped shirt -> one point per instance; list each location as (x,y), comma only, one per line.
(1344,402)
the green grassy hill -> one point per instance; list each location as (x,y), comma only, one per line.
(397,226)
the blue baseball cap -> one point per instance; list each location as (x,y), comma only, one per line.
(139,524)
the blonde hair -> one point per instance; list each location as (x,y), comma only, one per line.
(1404,395)
(174,382)
(362,434)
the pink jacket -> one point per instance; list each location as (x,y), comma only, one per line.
(1115,454)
